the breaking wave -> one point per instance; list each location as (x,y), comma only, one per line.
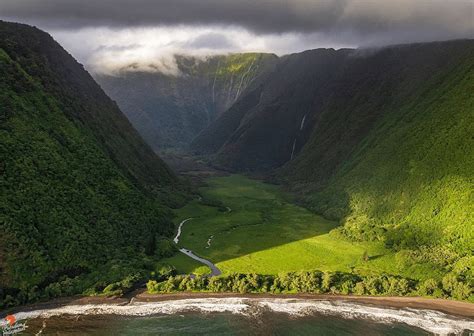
(432,321)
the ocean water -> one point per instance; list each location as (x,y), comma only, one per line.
(216,324)
(240,316)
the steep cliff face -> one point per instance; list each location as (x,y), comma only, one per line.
(170,110)
(80,188)
(378,139)
(334,96)
(259,131)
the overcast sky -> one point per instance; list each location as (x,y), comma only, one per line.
(109,34)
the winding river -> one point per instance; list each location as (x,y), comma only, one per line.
(214,270)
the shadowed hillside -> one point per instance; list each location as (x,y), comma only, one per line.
(258,131)
(404,163)
(170,110)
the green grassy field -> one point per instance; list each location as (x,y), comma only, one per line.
(265,233)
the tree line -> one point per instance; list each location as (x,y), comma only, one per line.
(316,282)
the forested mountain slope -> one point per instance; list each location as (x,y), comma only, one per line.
(379,139)
(399,168)
(80,188)
(169,110)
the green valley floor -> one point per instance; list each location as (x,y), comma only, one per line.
(256,228)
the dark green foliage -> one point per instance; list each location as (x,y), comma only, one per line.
(164,272)
(166,248)
(313,282)
(150,246)
(81,192)
(214,203)
(122,287)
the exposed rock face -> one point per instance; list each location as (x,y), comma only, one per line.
(170,111)
(342,95)
(258,132)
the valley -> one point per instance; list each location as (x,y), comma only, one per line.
(255,236)
(324,172)
(256,168)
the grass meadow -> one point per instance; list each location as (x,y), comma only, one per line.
(266,233)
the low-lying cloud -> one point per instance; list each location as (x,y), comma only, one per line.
(152,49)
(109,34)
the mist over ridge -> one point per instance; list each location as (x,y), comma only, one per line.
(107,36)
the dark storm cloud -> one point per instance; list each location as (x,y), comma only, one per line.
(109,35)
(264,15)
(443,18)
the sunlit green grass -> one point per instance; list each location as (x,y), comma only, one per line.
(265,233)
(185,265)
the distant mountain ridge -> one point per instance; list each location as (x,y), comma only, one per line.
(171,110)
(263,128)
(260,128)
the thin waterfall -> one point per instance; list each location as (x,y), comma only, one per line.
(242,79)
(214,83)
(302,122)
(293,150)
(294,142)
(230,88)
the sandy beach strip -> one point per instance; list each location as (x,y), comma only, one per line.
(456,308)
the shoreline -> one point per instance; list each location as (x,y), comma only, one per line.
(451,307)
(455,308)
